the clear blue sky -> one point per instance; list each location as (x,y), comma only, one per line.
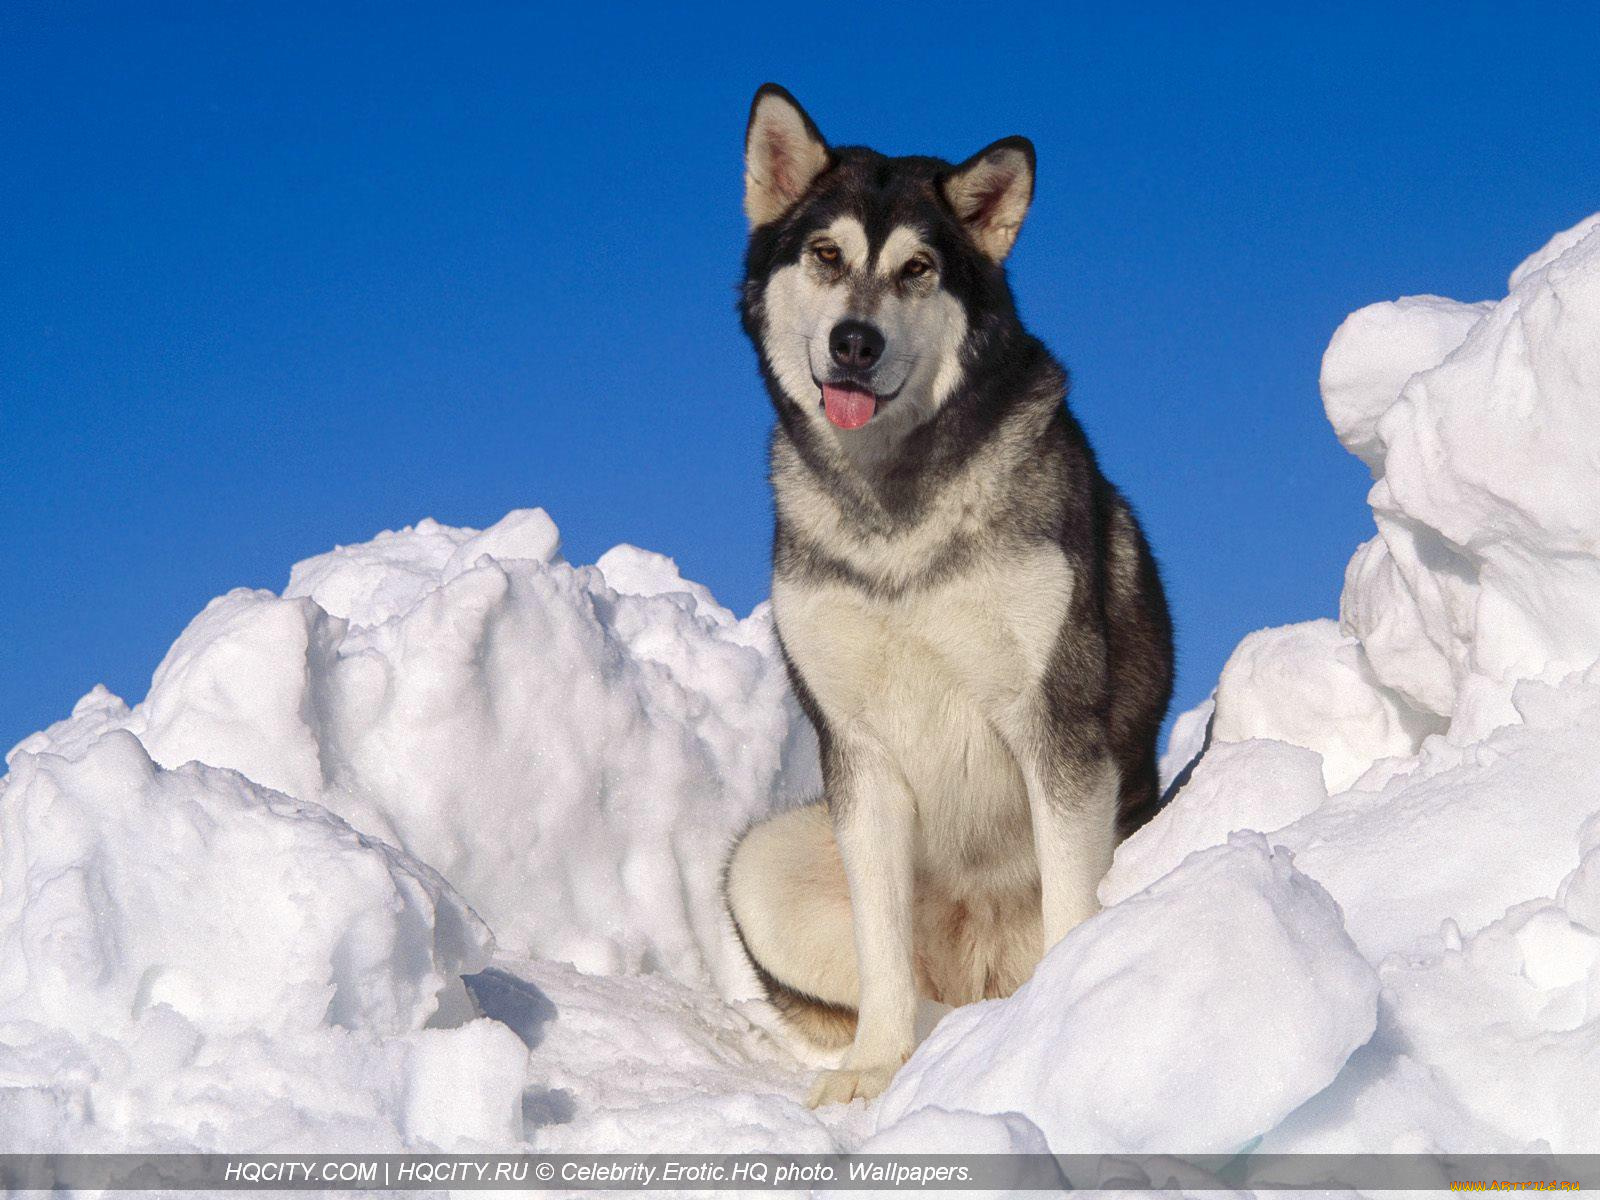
(273,279)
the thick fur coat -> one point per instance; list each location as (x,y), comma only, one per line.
(969,611)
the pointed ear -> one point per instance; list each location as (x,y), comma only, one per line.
(991,191)
(783,153)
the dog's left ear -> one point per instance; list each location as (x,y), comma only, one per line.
(783,153)
(991,191)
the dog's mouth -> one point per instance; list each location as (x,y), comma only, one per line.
(851,405)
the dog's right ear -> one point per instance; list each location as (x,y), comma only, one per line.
(783,153)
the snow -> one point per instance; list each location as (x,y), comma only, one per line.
(190,959)
(1309,685)
(552,744)
(1487,560)
(425,850)
(1077,1048)
(1453,712)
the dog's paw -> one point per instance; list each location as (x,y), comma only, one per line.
(850,1083)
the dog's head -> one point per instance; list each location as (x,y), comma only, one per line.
(869,280)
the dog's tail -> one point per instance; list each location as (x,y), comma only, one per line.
(786,894)
(826,1026)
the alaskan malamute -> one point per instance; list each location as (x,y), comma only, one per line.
(969,611)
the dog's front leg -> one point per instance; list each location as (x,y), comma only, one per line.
(1072,797)
(873,821)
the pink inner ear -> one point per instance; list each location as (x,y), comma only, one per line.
(780,163)
(989,198)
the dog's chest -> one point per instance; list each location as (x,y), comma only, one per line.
(981,638)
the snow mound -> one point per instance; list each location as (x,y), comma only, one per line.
(1477,421)
(127,887)
(1454,714)
(573,748)
(160,931)
(1257,785)
(1310,685)
(1487,561)
(1151,1000)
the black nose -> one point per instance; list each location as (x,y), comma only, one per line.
(855,345)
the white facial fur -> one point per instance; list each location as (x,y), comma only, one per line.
(923,328)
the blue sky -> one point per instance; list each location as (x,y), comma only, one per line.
(274,279)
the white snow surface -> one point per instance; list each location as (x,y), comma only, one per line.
(1242,1056)
(238,915)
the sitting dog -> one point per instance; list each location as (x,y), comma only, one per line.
(968,609)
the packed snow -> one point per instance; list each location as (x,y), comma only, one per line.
(1242,1056)
(425,851)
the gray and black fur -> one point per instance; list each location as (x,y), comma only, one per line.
(969,611)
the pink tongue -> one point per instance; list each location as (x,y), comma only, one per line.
(848,407)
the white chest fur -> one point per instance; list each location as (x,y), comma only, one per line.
(986,633)
(938,680)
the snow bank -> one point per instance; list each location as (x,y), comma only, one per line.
(1453,714)
(1486,565)
(1152,1000)
(1310,685)
(573,748)
(239,913)
(1478,424)
(189,958)
(127,887)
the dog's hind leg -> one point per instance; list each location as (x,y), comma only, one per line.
(790,904)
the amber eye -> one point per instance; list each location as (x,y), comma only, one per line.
(916,268)
(826,254)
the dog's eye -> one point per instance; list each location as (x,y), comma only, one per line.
(826,254)
(916,268)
